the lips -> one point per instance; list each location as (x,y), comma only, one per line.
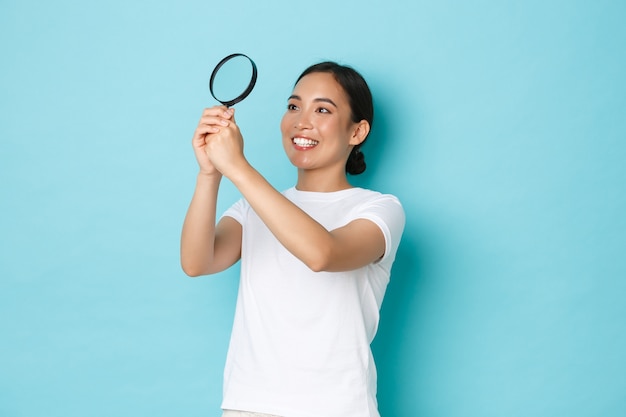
(304,142)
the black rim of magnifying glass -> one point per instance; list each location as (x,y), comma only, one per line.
(245,92)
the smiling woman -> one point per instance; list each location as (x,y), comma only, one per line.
(319,116)
(354,88)
(315,259)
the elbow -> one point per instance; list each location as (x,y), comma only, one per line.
(192,271)
(315,267)
(318,261)
(194,265)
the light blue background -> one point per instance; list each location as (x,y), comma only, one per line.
(500,125)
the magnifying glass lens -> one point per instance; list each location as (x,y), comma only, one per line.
(233,79)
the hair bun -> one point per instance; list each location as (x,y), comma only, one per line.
(356,162)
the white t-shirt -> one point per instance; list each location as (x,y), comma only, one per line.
(300,344)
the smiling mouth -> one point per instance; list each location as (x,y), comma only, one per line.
(304,142)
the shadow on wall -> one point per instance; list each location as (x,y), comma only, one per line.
(395,360)
(394,346)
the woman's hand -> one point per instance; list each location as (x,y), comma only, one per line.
(225,148)
(212,121)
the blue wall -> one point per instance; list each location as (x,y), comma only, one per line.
(500,125)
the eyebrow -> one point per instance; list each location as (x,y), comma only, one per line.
(319,99)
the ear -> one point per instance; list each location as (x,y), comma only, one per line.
(360,132)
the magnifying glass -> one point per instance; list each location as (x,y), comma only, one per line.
(233,79)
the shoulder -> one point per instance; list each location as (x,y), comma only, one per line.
(238,211)
(383,209)
(370,199)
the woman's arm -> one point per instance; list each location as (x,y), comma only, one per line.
(352,246)
(349,247)
(206,248)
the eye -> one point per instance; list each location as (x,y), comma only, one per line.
(292,107)
(323,110)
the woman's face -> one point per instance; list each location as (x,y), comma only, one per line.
(317,128)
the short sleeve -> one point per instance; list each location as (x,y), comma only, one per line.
(237,211)
(386,211)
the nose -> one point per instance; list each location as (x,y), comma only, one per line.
(303,121)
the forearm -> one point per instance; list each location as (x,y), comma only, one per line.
(305,238)
(197,248)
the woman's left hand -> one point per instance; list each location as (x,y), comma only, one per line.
(225,148)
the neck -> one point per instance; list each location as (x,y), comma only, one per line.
(321,182)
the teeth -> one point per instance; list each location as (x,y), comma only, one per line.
(304,142)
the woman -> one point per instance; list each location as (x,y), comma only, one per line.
(315,259)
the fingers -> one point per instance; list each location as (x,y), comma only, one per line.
(213,121)
(214,115)
(214,118)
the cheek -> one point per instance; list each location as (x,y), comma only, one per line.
(332,129)
(284,130)
(284,124)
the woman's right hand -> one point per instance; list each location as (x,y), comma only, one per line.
(211,121)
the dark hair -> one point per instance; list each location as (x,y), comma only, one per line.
(359,98)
